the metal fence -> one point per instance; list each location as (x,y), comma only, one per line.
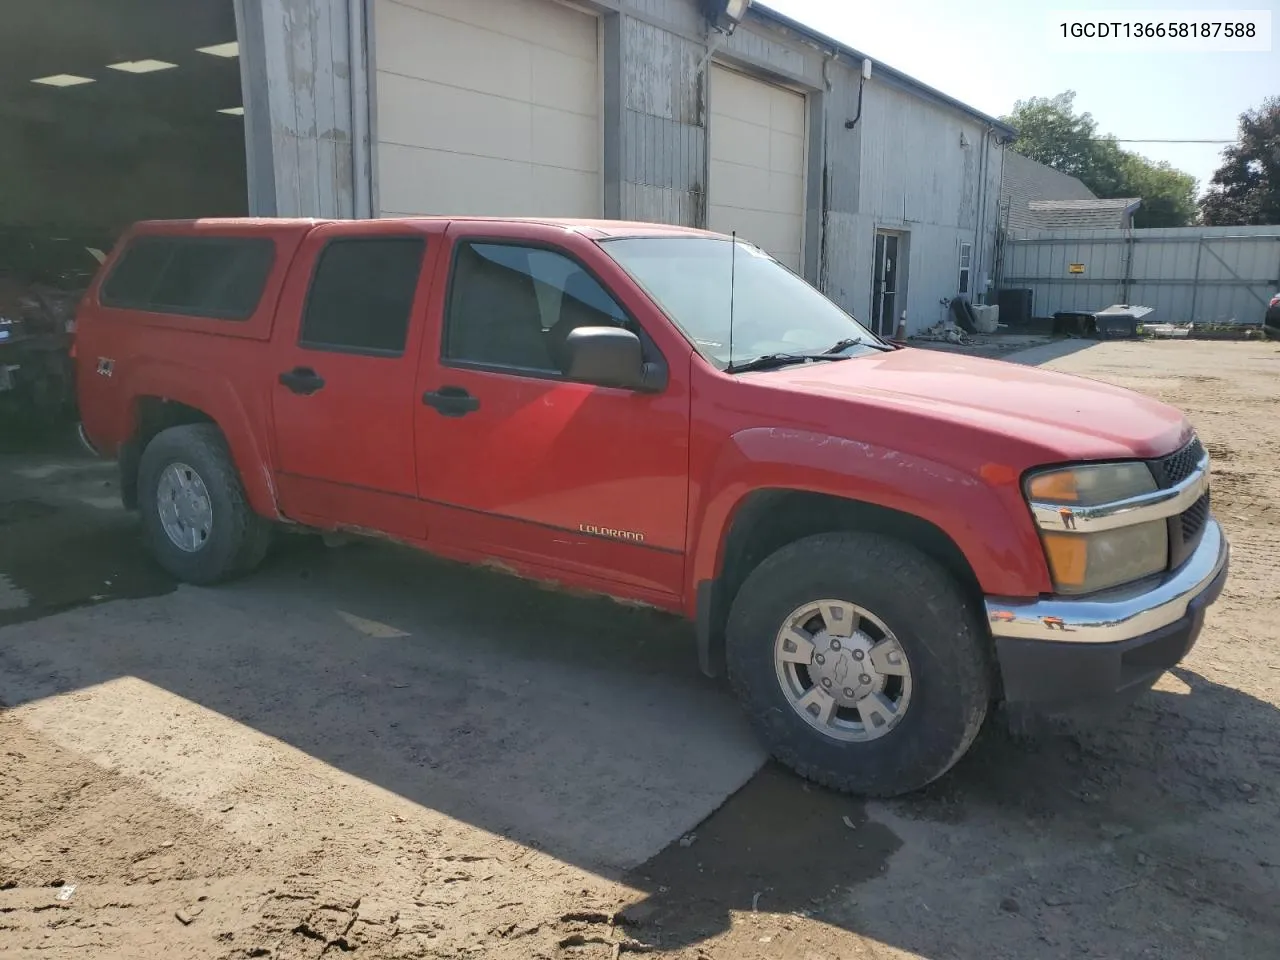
(1187,274)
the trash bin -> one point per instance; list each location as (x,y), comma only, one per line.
(1074,323)
(1116,322)
(1120,321)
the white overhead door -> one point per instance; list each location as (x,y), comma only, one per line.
(487,107)
(757,163)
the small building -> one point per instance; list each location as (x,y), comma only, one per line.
(716,113)
(1034,196)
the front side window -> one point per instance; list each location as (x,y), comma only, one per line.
(966,260)
(514,306)
(701,284)
(362,294)
(218,277)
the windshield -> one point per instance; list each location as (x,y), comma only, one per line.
(774,311)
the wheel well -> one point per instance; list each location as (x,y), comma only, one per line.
(151,416)
(771,519)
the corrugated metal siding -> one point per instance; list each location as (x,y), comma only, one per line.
(680,14)
(309,98)
(916,176)
(664,130)
(1188,274)
(779,53)
(913,166)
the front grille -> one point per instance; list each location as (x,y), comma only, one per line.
(1172,470)
(1186,529)
(1194,519)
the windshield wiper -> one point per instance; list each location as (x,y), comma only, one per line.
(857,342)
(772,361)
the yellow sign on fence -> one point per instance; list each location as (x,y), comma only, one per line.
(1075,268)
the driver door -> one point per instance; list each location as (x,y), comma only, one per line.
(520,462)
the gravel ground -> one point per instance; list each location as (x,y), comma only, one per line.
(363,752)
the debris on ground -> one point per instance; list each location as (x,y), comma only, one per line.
(943,332)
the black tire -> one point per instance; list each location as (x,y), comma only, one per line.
(964,318)
(238,538)
(936,626)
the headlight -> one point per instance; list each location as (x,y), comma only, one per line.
(1083,562)
(1091,485)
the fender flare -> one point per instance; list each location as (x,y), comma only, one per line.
(218,399)
(975,513)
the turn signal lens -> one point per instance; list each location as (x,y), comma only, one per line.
(1068,558)
(1058,487)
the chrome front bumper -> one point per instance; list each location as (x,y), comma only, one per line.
(1116,615)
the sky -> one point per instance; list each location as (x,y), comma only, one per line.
(991,53)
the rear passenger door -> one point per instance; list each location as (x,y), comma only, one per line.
(343,380)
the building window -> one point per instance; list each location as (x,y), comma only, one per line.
(362,294)
(966,262)
(514,306)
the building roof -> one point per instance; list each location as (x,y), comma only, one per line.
(1081,214)
(1034,196)
(762,12)
(1025,180)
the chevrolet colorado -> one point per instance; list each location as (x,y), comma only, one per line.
(875,543)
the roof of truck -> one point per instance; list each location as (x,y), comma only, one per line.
(596,229)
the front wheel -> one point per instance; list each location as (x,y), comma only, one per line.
(195,516)
(860,661)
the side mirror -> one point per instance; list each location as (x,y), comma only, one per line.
(611,357)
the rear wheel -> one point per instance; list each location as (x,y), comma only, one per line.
(860,661)
(195,516)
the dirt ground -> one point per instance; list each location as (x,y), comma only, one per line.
(363,752)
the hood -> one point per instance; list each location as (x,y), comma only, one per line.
(1065,417)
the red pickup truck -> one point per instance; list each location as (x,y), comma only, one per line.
(874,542)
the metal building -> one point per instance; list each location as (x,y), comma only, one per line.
(882,190)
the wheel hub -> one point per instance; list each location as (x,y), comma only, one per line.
(842,670)
(186,511)
(843,667)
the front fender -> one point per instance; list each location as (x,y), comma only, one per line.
(217,397)
(982,513)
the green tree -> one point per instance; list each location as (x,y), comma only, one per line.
(1051,132)
(1168,195)
(1246,188)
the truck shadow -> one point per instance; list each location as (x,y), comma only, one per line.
(585,730)
(1156,818)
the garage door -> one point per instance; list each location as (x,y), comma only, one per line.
(758,163)
(487,107)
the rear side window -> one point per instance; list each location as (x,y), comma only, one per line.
(362,295)
(218,277)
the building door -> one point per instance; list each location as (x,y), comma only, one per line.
(488,108)
(885,283)
(758,163)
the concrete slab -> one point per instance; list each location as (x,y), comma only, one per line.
(1046,352)
(575,726)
